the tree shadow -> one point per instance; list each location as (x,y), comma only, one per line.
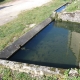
(1,0)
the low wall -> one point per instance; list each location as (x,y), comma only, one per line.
(72,17)
(33,70)
(67,16)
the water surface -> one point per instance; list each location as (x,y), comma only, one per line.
(57,45)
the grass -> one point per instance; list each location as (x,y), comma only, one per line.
(19,26)
(74,6)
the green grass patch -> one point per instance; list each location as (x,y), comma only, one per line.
(20,25)
(73,6)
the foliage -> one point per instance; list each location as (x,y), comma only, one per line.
(75,5)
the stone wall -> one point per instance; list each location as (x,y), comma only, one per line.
(72,16)
(33,70)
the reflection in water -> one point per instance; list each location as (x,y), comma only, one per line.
(74,37)
(57,45)
(75,45)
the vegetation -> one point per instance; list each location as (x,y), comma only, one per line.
(4,1)
(13,30)
(75,5)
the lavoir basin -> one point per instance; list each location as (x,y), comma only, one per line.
(57,45)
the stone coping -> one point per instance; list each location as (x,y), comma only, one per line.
(70,16)
(33,70)
(11,49)
(36,70)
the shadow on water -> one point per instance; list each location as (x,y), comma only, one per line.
(64,66)
(4,7)
(73,27)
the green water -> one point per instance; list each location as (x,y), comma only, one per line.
(57,45)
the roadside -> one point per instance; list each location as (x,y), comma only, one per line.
(10,10)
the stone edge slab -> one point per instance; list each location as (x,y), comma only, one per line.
(8,51)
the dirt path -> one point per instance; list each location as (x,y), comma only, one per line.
(10,10)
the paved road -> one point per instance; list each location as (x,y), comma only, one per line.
(10,10)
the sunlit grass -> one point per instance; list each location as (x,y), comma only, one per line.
(74,6)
